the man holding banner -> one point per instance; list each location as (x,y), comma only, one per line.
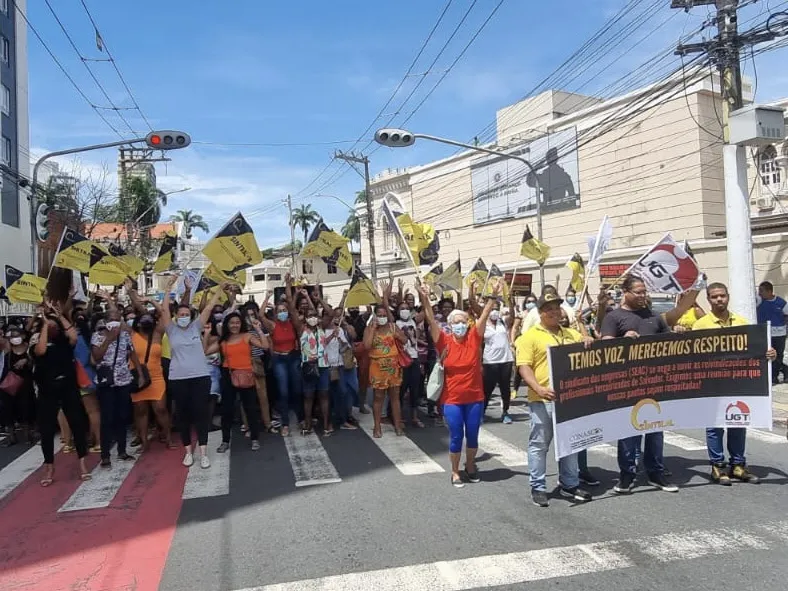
(721,317)
(634,319)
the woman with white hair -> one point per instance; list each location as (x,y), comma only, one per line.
(463,392)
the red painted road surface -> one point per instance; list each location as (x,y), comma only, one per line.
(117,548)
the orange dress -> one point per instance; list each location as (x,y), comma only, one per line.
(156,389)
(384,368)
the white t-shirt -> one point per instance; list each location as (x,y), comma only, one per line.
(412,344)
(332,346)
(532,317)
(496,344)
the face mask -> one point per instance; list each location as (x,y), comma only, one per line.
(459,330)
(571,300)
(130,322)
(495,315)
(113,324)
(282,316)
(404,314)
(530,306)
(217,317)
(100,327)
(15,341)
(312,321)
(382,320)
(183,321)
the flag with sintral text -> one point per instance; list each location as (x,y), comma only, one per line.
(73,251)
(362,292)
(234,247)
(323,241)
(23,288)
(105,269)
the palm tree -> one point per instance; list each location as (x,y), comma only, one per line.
(304,217)
(141,202)
(190,221)
(352,228)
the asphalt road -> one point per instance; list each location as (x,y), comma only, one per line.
(346,513)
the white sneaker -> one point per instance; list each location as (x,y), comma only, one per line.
(188,459)
(205,462)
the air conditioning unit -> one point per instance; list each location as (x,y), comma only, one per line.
(765,203)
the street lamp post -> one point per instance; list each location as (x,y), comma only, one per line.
(156,140)
(398,138)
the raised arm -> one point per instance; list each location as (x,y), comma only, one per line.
(206,313)
(257,338)
(429,316)
(165,305)
(481,323)
(136,301)
(473,303)
(681,308)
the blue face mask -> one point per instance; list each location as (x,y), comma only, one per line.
(282,316)
(459,330)
(530,306)
(571,300)
(183,321)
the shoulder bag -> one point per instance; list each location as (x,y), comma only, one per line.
(403,356)
(240,378)
(12,382)
(105,374)
(142,378)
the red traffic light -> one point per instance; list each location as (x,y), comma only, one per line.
(167,140)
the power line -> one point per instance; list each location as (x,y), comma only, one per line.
(273,144)
(115,66)
(113,107)
(65,72)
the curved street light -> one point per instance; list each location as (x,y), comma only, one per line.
(401,138)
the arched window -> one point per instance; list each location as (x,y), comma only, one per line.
(767,166)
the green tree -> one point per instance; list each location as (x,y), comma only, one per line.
(304,217)
(190,221)
(141,202)
(352,227)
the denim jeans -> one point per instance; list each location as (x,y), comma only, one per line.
(538,446)
(349,378)
(339,400)
(652,454)
(737,437)
(287,369)
(115,404)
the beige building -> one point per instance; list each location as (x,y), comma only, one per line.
(651,160)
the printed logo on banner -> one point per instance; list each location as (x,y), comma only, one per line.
(646,424)
(737,414)
(587,438)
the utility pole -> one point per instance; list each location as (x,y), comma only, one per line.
(725,51)
(353,158)
(289,201)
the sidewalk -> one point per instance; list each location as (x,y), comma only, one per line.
(780,405)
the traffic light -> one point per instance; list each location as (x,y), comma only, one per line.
(394,138)
(42,222)
(167,140)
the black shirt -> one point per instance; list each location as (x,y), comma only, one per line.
(57,362)
(644,322)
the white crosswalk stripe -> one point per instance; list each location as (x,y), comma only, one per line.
(99,491)
(309,460)
(501,450)
(213,481)
(684,442)
(406,456)
(17,471)
(766,436)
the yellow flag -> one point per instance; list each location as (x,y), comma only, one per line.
(431,277)
(478,273)
(494,277)
(209,286)
(166,254)
(342,258)
(451,278)
(105,269)
(420,239)
(218,276)
(131,264)
(533,249)
(323,242)
(362,292)
(234,247)
(73,252)
(24,288)
(578,272)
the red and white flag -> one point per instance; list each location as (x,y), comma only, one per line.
(667,268)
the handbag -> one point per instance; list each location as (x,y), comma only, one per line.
(12,383)
(403,356)
(105,374)
(242,378)
(310,370)
(348,359)
(435,383)
(83,378)
(142,378)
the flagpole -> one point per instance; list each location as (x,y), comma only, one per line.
(57,252)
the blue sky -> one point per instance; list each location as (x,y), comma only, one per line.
(312,72)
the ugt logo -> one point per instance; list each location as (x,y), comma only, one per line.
(737,413)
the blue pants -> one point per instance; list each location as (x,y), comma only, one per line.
(287,369)
(539,444)
(114,404)
(463,419)
(652,454)
(737,438)
(349,378)
(341,400)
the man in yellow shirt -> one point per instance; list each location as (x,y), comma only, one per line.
(721,317)
(533,366)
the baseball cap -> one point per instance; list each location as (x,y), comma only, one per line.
(548,299)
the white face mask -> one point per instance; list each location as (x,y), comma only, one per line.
(183,321)
(15,341)
(130,322)
(113,324)
(404,314)
(382,320)
(495,315)
(312,321)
